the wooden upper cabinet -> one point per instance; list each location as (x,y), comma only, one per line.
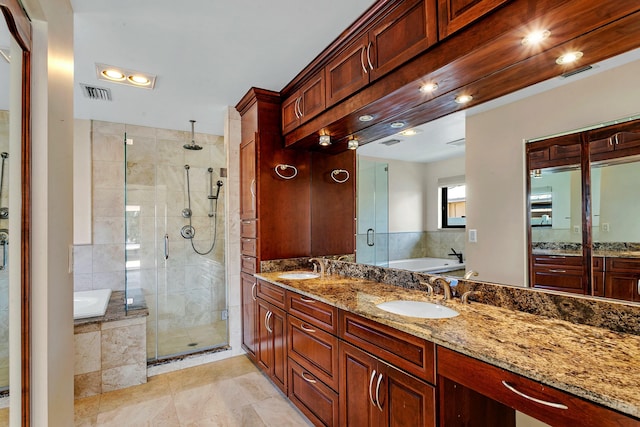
(304,104)
(403,33)
(347,72)
(456,14)
(619,140)
(407,31)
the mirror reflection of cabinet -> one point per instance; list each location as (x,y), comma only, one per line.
(590,243)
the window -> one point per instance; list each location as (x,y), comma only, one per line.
(453,206)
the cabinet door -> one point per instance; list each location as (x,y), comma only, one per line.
(272,351)
(404,33)
(356,387)
(455,14)
(248,180)
(249,313)
(405,401)
(312,97)
(347,72)
(622,285)
(290,113)
(264,345)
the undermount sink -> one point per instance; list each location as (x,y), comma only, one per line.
(299,276)
(422,309)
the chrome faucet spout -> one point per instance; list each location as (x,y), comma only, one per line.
(320,262)
(446,287)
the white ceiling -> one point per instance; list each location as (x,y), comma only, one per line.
(206,53)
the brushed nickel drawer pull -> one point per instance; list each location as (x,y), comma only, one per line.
(246,222)
(312,331)
(378,392)
(373,374)
(309,380)
(364,67)
(307,300)
(533,399)
(557,271)
(639,286)
(369,55)
(557,256)
(267,318)
(254,293)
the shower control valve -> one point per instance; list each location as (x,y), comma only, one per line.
(188,232)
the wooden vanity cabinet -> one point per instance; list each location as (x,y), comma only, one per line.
(305,103)
(544,403)
(272,346)
(404,32)
(597,283)
(248,284)
(622,278)
(559,273)
(374,393)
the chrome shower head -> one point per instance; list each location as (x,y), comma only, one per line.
(192,145)
(4,154)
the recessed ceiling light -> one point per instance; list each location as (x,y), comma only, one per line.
(365,118)
(410,132)
(125,76)
(352,144)
(397,125)
(463,99)
(535,37)
(139,79)
(325,140)
(428,87)
(569,57)
(113,74)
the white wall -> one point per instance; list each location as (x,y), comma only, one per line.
(495,162)
(52,214)
(434,171)
(407,196)
(620,196)
(82,178)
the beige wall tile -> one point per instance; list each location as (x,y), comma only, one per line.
(124,376)
(87,352)
(86,385)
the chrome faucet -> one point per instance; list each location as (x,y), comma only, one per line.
(446,287)
(469,274)
(320,262)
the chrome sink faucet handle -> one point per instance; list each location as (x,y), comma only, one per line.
(320,262)
(465,297)
(429,288)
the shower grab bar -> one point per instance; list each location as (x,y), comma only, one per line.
(4,255)
(166,247)
(283,167)
(338,172)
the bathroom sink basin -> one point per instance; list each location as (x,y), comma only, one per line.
(425,310)
(299,276)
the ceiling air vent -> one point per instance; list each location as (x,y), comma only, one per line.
(95,92)
(576,71)
(457,143)
(390,142)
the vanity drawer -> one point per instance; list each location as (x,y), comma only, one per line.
(631,265)
(559,260)
(314,312)
(562,279)
(248,229)
(314,349)
(317,401)
(407,352)
(271,293)
(248,247)
(248,264)
(508,388)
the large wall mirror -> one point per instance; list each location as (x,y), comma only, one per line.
(15,45)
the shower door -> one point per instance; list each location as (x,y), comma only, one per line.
(372,239)
(185,291)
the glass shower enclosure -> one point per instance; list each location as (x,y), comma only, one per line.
(372,238)
(175,241)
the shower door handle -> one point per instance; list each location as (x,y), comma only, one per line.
(166,247)
(371,236)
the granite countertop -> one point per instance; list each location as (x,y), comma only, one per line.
(116,310)
(596,364)
(600,253)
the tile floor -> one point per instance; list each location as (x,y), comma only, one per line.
(231,393)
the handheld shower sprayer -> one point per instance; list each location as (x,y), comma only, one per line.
(211,196)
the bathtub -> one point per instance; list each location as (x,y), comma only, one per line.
(427,265)
(90,303)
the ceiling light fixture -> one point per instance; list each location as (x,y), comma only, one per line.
(352,144)
(397,125)
(463,99)
(535,37)
(410,132)
(569,57)
(429,87)
(365,118)
(325,140)
(125,76)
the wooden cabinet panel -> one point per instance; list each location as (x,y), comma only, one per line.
(317,401)
(407,352)
(558,272)
(290,114)
(314,349)
(314,312)
(404,33)
(456,14)
(508,388)
(622,278)
(249,247)
(248,180)
(357,408)
(558,260)
(347,72)
(272,346)
(305,103)
(565,152)
(408,401)
(249,313)
(249,228)
(271,293)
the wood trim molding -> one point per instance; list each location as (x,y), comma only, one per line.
(18,22)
